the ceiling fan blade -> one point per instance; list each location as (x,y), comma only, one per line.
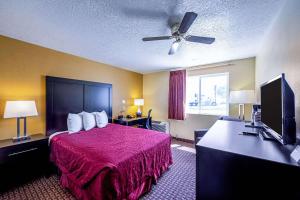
(157,38)
(198,39)
(187,21)
(174,47)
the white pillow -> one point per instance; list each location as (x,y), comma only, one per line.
(101,119)
(89,121)
(74,123)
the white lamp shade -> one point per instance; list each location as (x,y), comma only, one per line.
(242,97)
(138,102)
(14,109)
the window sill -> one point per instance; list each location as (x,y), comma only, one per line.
(207,114)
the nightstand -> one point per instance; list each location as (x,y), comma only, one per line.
(23,161)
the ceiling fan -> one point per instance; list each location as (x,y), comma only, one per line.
(179,31)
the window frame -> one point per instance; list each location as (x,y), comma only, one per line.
(227,74)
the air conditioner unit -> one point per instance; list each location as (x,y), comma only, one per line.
(161,126)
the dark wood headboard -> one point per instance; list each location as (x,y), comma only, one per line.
(64,96)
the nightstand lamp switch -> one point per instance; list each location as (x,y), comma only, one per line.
(20,110)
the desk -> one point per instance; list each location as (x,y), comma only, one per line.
(230,165)
(132,121)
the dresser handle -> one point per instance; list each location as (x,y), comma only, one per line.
(20,152)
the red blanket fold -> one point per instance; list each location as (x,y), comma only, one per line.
(122,161)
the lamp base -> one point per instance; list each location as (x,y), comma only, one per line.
(21,138)
(242,111)
(139,114)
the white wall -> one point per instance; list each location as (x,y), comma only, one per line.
(280,52)
(156,89)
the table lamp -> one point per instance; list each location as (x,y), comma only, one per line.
(139,103)
(242,97)
(123,110)
(20,110)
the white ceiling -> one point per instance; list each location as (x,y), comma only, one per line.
(110,31)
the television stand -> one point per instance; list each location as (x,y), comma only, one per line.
(254,125)
(266,136)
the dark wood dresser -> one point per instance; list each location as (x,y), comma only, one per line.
(22,161)
(230,165)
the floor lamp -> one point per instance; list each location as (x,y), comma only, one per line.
(242,97)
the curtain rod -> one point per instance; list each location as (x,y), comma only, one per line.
(203,67)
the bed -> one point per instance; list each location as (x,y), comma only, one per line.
(115,162)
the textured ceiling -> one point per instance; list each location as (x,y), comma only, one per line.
(110,31)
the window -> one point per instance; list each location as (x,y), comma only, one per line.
(208,94)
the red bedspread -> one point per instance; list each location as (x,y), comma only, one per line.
(115,162)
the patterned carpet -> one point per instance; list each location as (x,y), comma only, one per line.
(177,183)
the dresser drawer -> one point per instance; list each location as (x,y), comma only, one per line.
(23,161)
(24,151)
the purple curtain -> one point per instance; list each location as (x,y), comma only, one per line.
(177,87)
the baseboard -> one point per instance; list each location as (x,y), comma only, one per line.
(184,140)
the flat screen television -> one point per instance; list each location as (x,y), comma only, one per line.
(278,110)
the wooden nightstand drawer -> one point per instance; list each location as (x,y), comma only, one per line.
(21,161)
(11,153)
(20,153)
(33,148)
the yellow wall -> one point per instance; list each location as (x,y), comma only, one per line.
(156,86)
(280,52)
(23,68)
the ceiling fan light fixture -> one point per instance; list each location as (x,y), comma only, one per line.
(179,31)
(174,47)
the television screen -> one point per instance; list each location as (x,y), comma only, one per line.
(271,105)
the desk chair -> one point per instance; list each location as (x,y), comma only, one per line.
(149,120)
(148,124)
